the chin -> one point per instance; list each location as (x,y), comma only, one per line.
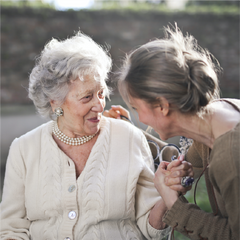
(162,137)
(94,129)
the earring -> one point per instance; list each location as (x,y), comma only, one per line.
(58,111)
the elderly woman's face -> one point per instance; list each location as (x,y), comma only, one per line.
(83,107)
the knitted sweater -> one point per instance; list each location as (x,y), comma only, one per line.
(111,199)
(222,179)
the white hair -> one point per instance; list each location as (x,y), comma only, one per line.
(62,62)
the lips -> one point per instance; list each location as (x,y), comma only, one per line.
(94,119)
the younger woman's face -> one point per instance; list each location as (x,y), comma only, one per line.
(151,116)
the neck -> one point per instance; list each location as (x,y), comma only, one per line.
(196,127)
(68,140)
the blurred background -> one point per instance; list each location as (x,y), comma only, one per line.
(27,25)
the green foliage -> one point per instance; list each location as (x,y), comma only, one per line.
(26,3)
(201,195)
(157,2)
(213,2)
(113,5)
(213,8)
(210,7)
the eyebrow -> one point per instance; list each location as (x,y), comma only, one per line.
(88,91)
(82,94)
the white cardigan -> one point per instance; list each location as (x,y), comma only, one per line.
(111,199)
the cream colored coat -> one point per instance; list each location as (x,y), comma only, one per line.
(111,199)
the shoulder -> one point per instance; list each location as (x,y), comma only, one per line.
(224,162)
(123,127)
(225,154)
(26,149)
(235,103)
(225,116)
(229,142)
(127,137)
(32,136)
(124,132)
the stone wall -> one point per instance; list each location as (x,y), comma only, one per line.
(25,31)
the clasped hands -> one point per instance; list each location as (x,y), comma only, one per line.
(168,176)
(168,179)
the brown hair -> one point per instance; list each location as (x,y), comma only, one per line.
(175,68)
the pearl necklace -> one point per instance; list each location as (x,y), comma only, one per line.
(67,140)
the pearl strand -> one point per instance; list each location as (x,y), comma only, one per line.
(67,140)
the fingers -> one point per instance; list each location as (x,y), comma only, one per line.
(180,188)
(106,113)
(174,164)
(163,168)
(169,181)
(178,169)
(175,184)
(181,173)
(161,173)
(181,157)
(184,169)
(116,111)
(112,114)
(121,110)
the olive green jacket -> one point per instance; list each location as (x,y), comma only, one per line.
(222,181)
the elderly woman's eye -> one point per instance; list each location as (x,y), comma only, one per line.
(86,98)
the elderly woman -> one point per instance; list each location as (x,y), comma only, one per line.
(173,85)
(81,176)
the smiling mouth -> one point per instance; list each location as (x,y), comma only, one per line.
(94,119)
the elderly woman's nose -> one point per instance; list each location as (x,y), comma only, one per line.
(98,105)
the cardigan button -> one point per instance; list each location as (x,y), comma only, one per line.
(71,188)
(72,215)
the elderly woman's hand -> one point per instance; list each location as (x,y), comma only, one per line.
(116,111)
(177,170)
(169,195)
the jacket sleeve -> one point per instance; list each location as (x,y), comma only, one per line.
(224,175)
(14,224)
(196,224)
(147,196)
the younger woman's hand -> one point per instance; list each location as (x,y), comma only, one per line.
(177,170)
(116,111)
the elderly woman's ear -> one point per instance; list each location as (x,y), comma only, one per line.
(53,104)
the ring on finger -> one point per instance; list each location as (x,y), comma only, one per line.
(187,181)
